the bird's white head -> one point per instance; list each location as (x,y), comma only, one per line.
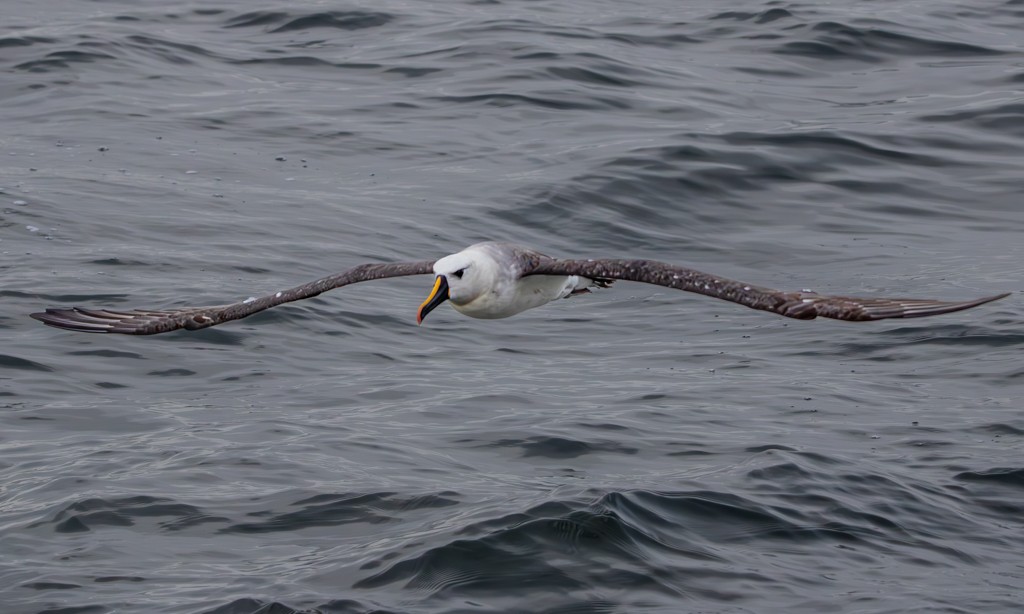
(460,278)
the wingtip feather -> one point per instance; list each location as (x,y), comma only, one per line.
(71,319)
(917,308)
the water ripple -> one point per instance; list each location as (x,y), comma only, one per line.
(633,450)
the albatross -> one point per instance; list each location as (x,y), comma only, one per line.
(497,280)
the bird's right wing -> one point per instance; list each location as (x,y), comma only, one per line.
(152,322)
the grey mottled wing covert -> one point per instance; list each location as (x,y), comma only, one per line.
(799,305)
(151,322)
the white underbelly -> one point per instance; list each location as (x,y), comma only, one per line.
(526,293)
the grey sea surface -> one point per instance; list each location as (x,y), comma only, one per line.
(633,450)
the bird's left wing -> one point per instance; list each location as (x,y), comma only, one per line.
(152,322)
(800,305)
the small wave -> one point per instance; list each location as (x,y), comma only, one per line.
(22,364)
(551,100)
(758,17)
(1003,476)
(280,21)
(340,509)
(167,50)
(62,60)
(639,540)
(835,146)
(105,353)
(25,41)
(95,513)
(838,41)
(305,61)
(1004,118)
(561,447)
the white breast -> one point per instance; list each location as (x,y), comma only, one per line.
(510,298)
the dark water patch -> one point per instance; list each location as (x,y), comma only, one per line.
(780,472)
(484,402)
(721,517)
(107,353)
(306,61)
(1002,476)
(881,188)
(583,606)
(664,41)
(560,102)
(603,426)
(77,609)
(23,364)
(473,566)
(119,262)
(769,448)
(619,71)
(896,344)
(249,605)
(832,41)
(476,566)
(280,21)
(173,373)
(352,20)
(91,514)
(832,146)
(106,579)
(47,586)
(561,447)
(1001,507)
(413,72)
(613,541)
(247,375)
(588,76)
(691,450)
(62,60)
(25,41)
(762,71)
(257,18)
(999,429)
(1004,118)
(342,509)
(170,51)
(916,525)
(546,509)
(928,443)
(632,37)
(758,17)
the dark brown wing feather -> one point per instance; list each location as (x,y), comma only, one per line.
(799,305)
(152,322)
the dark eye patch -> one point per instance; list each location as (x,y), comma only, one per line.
(459,273)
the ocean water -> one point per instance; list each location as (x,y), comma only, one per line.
(635,450)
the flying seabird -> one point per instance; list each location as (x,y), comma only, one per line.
(497,280)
